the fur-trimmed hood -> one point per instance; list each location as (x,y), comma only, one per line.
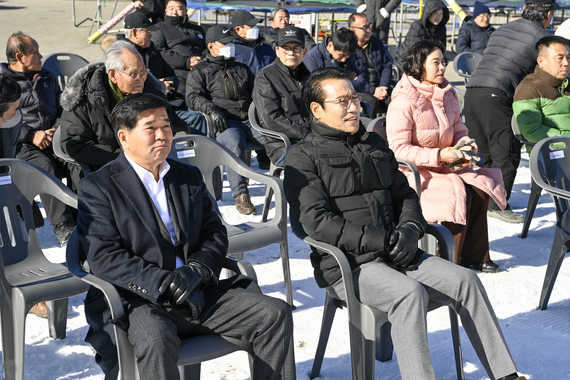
(88,83)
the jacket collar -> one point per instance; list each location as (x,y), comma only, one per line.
(550,80)
(431,92)
(327,132)
(299,74)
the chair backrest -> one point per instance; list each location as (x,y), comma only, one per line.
(63,65)
(378,126)
(550,169)
(59,151)
(258,125)
(20,183)
(465,63)
(517,132)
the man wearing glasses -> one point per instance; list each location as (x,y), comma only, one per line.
(344,186)
(374,62)
(90,96)
(277,93)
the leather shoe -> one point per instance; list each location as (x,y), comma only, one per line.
(485,267)
(244,205)
(39,310)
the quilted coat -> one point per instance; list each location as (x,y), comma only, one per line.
(423,119)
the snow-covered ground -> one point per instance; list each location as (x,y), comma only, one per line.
(539,340)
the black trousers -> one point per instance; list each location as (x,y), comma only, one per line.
(378,107)
(57,212)
(488,114)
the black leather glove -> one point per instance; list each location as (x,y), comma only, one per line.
(179,284)
(403,246)
(219,119)
(196,303)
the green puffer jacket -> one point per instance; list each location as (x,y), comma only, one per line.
(542,106)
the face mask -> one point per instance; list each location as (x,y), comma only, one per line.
(252,34)
(228,50)
(174,20)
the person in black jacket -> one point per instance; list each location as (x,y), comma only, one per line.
(431,26)
(221,87)
(180,41)
(378,12)
(279,20)
(138,30)
(153,9)
(509,57)
(41,112)
(10,92)
(372,59)
(277,93)
(344,186)
(475,32)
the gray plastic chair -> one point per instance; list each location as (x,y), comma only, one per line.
(26,276)
(61,153)
(274,170)
(465,64)
(535,190)
(207,155)
(192,352)
(369,328)
(550,169)
(63,66)
(392,50)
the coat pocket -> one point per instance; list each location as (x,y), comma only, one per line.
(338,173)
(382,163)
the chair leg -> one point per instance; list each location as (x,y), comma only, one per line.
(7,322)
(535,192)
(384,345)
(189,372)
(456,343)
(363,334)
(328,317)
(57,317)
(114,374)
(287,272)
(19,314)
(560,247)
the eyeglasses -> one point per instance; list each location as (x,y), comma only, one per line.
(346,101)
(365,27)
(295,49)
(135,74)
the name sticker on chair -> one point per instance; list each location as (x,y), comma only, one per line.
(556,155)
(186,153)
(5,180)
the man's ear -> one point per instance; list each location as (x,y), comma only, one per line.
(539,60)
(317,110)
(122,137)
(113,75)
(19,56)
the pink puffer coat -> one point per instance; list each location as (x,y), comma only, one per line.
(423,119)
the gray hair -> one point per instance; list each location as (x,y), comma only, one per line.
(114,55)
(129,32)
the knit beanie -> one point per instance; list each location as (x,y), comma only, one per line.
(480,8)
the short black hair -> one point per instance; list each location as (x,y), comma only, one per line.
(10,91)
(344,40)
(126,113)
(353,16)
(16,44)
(417,55)
(533,14)
(546,41)
(313,90)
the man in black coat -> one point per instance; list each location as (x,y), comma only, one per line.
(279,20)
(153,9)
(154,218)
(475,31)
(221,87)
(378,12)
(180,41)
(509,57)
(277,93)
(344,186)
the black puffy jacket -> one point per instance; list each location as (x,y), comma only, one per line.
(216,81)
(347,191)
(382,64)
(509,57)
(39,102)
(422,29)
(277,96)
(473,38)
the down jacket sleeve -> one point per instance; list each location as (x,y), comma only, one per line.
(197,94)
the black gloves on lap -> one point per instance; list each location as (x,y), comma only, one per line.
(179,284)
(219,119)
(403,246)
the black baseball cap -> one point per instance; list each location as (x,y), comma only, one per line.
(139,20)
(243,17)
(289,34)
(220,34)
(542,5)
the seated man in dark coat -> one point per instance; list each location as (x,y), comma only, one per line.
(279,20)
(344,185)
(277,93)
(221,87)
(147,225)
(180,41)
(475,32)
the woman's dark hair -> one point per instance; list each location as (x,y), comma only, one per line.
(416,57)
(533,14)
(313,89)
(10,91)
(126,113)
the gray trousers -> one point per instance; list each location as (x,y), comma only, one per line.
(405,294)
(241,314)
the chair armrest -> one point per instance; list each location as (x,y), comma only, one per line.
(276,135)
(444,239)
(240,267)
(416,173)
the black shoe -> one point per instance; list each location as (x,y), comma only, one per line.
(63,231)
(485,267)
(263,160)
